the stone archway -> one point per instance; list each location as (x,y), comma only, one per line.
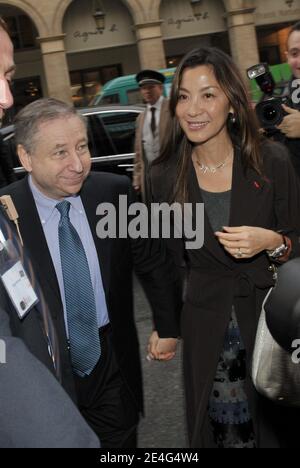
(23,23)
(31,12)
(145,14)
(133,6)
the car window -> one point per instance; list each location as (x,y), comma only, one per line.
(110,99)
(134,96)
(112,133)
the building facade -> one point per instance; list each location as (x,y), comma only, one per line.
(70,48)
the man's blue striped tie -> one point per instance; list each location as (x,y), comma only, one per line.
(79,294)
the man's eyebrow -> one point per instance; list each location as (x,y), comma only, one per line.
(59,145)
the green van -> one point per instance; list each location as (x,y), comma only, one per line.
(125,90)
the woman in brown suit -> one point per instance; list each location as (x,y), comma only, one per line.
(216,155)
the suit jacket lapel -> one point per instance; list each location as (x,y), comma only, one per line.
(139,132)
(103,246)
(246,197)
(247,191)
(35,241)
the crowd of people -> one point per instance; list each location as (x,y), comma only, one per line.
(73,322)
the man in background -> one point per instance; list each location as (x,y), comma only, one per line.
(290,126)
(152,126)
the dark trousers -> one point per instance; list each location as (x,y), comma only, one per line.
(105,401)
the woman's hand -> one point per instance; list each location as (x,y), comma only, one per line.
(246,242)
(161,349)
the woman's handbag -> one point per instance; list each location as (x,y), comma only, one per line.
(274,373)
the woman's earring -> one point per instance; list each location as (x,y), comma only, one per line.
(232,118)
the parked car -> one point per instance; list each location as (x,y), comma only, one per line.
(111,132)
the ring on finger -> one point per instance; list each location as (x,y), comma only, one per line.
(239,253)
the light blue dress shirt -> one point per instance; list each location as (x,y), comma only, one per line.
(50,217)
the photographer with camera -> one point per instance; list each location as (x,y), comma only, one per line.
(290,125)
(278,114)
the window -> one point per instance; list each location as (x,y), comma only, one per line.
(85,84)
(270,55)
(22,32)
(112,134)
(134,96)
(25,91)
(174,61)
(110,99)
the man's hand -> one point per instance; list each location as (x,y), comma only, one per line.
(290,125)
(161,349)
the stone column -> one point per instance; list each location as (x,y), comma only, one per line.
(150,45)
(56,67)
(243,40)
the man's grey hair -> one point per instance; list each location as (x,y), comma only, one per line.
(29,119)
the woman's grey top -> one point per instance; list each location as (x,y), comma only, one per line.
(217,207)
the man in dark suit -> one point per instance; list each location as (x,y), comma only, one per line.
(34,410)
(7,175)
(87,280)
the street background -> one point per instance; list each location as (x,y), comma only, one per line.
(164,422)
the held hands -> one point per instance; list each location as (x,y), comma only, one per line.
(290,125)
(161,349)
(246,242)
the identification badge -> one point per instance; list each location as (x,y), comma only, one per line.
(19,289)
(14,278)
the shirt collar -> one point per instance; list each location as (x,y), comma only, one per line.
(157,105)
(47,206)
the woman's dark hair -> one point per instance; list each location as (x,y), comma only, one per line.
(244,132)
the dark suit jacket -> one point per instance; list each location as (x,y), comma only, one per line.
(35,412)
(116,258)
(217,281)
(7,175)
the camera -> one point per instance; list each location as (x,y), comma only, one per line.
(269,111)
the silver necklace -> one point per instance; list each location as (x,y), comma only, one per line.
(212,170)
